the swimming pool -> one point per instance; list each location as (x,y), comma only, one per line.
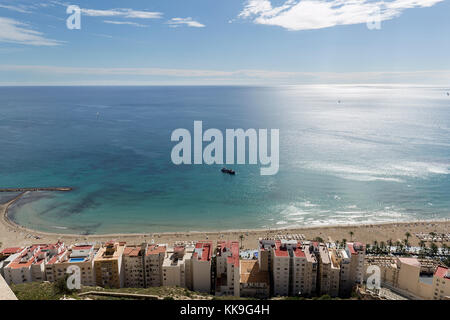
(76,259)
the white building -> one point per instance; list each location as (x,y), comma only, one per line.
(177,268)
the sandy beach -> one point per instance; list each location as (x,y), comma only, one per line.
(12,234)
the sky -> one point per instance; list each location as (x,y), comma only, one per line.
(225,42)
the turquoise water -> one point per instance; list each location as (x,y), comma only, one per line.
(381,154)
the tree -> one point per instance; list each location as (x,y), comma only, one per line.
(318,239)
(382,246)
(241,237)
(344,242)
(351,235)
(337,244)
(390,243)
(434,249)
(407,235)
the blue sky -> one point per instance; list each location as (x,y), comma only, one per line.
(225,42)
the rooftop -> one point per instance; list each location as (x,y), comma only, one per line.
(442,272)
(8,251)
(203,251)
(110,251)
(250,273)
(410,261)
(155,249)
(280,250)
(133,251)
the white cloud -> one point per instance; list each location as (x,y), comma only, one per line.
(19,8)
(121,12)
(317,14)
(13,31)
(175,22)
(125,22)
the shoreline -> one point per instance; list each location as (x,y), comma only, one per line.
(13,234)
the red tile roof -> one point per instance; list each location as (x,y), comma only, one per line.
(298,252)
(441,272)
(11,250)
(82,247)
(206,251)
(280,251)
(132,251)
(155,249)
(230,246)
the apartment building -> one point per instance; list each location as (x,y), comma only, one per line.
(201,267)
(441,284)
(7,260)
(153,261)
(324,275)
(254,282)
(311,270)
(133,263)
(356,251)
(177,267)
(108,265)
(19,270)
(79,255)
(281,262)
(265,248)
(299,284)
(7,252)
(340,258)
(335,272)
(227,268)
(29,265)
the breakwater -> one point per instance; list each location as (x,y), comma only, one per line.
(35,189)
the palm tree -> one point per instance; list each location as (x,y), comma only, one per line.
(344,242)
(405,241)
(398,246)
(434,249)
(241,237)
(337,244)
(351,235)
(389,244)
(375,246)
(382,246)
(407,235)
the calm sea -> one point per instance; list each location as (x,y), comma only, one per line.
(348,154)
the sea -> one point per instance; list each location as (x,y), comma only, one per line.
(348,154)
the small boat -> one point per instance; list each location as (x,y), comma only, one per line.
(229,171)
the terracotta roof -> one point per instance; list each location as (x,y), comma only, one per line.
(132,251)
(82,247)
(11,250)
(250,273)
(280,251)
(441,272)
(206,251)
(156,249)
(298,252)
